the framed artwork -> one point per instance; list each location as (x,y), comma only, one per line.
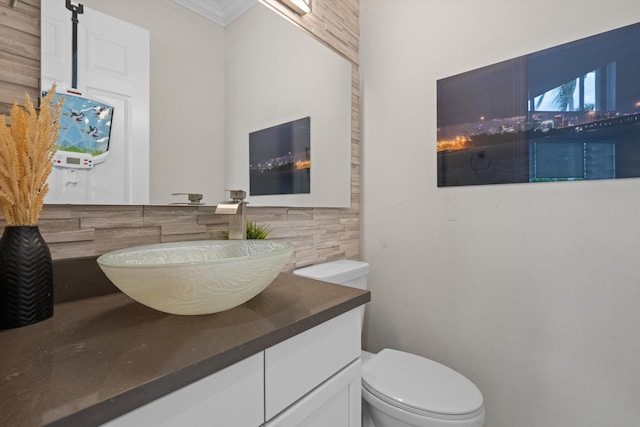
(571,112)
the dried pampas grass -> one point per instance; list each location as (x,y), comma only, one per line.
(27,148)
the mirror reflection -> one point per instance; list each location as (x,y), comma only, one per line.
(208,87)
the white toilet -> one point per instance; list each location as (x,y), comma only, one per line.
(401,389)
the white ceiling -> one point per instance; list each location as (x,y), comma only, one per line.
(222,12)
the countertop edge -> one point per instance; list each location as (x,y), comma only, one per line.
(112,408)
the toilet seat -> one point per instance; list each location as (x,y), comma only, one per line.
(421,386)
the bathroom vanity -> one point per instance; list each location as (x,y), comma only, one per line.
(290,356)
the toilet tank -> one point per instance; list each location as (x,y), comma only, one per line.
(343,272)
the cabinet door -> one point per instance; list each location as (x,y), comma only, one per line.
(233,396)
(298,365)
(335,403)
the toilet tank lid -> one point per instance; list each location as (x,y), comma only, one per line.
(420,385)
(340,271)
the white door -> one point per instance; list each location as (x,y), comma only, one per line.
(113,68)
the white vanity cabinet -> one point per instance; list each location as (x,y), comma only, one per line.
(315,376)
(231,397)
(337,402)
(311,379)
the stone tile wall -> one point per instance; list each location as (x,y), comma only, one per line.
(19,51)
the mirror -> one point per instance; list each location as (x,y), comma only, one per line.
(211,86)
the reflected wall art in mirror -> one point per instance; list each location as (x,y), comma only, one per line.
(571,112)
(280,159)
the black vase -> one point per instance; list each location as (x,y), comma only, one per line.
(26,277)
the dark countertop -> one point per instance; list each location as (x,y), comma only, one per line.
(100,357)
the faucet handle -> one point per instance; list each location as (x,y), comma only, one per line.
(194,198)
(237,195)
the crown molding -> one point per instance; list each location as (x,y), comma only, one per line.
(222,12)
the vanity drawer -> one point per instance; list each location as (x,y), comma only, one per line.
(336,403)
(230,397)
(296,366)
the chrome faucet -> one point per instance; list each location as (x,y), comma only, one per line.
(237,211)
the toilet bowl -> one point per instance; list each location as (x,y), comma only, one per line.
(401,389)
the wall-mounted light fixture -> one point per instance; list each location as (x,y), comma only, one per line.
(301,7)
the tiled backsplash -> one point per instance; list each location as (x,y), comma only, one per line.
(85,231)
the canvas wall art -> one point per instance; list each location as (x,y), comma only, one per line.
(571,112)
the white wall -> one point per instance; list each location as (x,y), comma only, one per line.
(187,97)
(530,290)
